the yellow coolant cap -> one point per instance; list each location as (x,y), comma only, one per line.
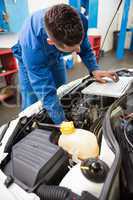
(67,127)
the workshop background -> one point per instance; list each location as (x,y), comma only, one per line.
(113,19)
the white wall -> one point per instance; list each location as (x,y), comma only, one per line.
(37,4)
(105,15)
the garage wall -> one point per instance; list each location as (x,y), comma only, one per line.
(37,4)
(104,17)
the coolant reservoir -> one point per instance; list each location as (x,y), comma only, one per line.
(79,142)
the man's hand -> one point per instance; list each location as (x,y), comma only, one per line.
(129,116)
(99,75)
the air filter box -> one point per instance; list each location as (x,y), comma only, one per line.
(35,159)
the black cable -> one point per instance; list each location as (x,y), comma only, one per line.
(111,24)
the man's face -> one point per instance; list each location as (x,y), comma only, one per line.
(65,48)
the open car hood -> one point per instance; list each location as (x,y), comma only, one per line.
(97,113)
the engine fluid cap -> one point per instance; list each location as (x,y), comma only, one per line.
(94,170)
(67,127)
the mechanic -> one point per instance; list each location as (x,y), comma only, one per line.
(43,39)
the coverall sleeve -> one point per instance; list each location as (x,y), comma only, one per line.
(86,52)
(42,83)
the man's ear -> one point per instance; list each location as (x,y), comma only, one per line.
(50,41)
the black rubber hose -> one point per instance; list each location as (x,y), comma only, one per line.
(46,192)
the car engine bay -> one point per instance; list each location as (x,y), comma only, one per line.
(37,164)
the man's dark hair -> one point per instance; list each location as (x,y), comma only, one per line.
(63,23)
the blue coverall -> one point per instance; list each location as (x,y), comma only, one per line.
(41,66)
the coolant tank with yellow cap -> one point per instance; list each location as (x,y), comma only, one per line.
(78,142)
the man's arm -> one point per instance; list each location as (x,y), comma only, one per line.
(86,52)
(42,83)
(88,56)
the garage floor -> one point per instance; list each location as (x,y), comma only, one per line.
(10,109)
